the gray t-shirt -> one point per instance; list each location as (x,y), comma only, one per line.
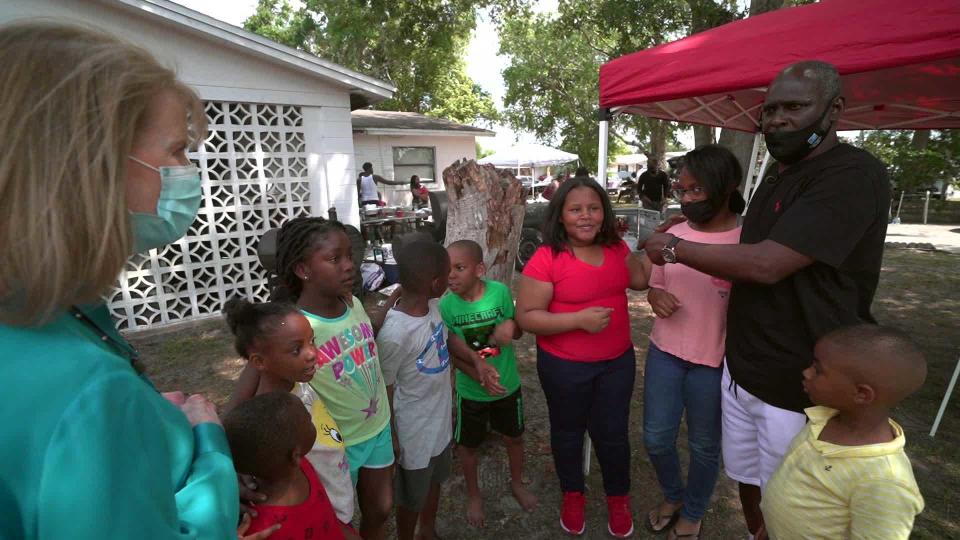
(415,361)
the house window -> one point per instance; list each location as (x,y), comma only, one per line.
(414,160)
(623,168)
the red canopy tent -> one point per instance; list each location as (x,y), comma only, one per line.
(900,64)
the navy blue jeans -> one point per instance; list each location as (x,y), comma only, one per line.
(589,397)
(670,386)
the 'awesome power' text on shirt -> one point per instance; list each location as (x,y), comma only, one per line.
(348,377)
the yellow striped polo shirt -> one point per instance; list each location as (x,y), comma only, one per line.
(824,490)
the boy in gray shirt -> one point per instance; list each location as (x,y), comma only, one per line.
(415,360)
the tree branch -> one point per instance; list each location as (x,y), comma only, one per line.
(637,144)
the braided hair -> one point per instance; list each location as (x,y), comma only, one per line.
(297,239)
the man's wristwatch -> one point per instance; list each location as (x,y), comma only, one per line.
(669,251)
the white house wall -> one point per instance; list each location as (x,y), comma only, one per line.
(378,150)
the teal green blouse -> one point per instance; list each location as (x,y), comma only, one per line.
(89,449)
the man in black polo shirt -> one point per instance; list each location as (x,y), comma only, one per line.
(653,185)
(808,262)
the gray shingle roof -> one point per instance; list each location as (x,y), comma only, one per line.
(368,119)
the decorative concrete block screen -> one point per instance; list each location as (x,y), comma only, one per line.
(254,169)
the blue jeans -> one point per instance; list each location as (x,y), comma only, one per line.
(670,386)
(592,397)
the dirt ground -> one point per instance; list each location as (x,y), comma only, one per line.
(918,293)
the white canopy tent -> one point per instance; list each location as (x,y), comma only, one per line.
(528,155)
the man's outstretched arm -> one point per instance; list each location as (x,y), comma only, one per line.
(766,262)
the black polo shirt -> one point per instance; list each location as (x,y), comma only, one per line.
(654,185)
(834,209)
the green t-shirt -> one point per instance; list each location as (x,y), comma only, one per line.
(474,322)
(348,376)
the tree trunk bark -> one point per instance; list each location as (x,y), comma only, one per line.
(921,137)
(739,142)
(703,135)
(485,205)
(658,142)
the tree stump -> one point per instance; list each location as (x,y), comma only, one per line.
(486,205)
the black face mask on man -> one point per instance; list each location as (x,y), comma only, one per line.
(789,147)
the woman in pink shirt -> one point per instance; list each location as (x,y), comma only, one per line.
(573,297)
(686,346)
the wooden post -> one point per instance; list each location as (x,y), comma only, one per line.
(486,205)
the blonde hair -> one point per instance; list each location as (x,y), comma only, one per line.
(72,101)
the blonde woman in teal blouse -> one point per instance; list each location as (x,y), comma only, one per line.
(93,170)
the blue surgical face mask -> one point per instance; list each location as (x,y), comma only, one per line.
(180,196)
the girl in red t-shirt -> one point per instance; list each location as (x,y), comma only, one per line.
(573,297)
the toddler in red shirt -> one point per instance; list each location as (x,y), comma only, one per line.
(269,437)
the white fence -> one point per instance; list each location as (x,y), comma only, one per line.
(254,170)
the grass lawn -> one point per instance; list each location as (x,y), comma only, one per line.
(918,293)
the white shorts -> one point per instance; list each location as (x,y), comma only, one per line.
(756,435)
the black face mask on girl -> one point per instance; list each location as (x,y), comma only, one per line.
(789,147)
(700,211)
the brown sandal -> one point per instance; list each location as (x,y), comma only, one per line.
(671,519)
(673,535)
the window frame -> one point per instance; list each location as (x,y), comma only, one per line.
(433,165)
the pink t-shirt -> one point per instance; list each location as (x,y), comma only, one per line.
(578,285)
(697,330)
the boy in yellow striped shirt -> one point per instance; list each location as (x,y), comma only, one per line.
(846,474)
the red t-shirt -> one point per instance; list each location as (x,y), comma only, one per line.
(312,519)
(578,285)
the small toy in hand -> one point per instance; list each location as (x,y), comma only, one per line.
(487,352)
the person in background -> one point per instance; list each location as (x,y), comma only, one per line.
(95,170)
(367,185)
(653,185)
(808,262)
(552,187)
(628,187)
(846,474)
(421,196)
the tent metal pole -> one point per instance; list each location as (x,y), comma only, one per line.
(602,155)
(946,399)
(603,115)
(752,168)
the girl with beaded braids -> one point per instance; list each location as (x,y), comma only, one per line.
(316,272)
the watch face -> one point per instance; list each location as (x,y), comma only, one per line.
(669,255)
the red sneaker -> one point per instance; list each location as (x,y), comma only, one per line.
(571,512)
(620,520)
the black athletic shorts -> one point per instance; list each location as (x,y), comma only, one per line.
(504,415)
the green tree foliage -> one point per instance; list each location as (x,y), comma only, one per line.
(552,85)
(916,166)
(417,45)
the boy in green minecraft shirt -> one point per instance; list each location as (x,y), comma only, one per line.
(481,312)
